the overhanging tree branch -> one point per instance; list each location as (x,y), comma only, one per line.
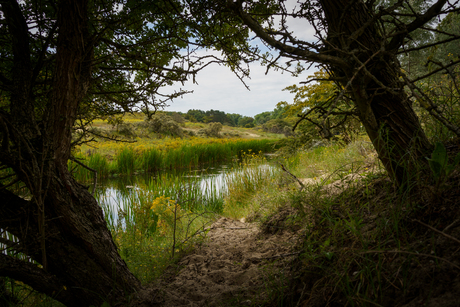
(35,277)
(419,21)
(259,30)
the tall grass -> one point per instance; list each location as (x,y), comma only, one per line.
(155,222)
(125,161)
(362,243)
(130,159)
(146,226)
(147,221)
(247,183)
(94,161)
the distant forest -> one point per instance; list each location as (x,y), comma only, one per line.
(232,119)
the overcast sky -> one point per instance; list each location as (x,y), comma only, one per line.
(219,89)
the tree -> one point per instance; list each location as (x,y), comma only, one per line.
(197,115)
(262,118)
(233,119)
(358,43)
(64,63)
(246,122)
(312,102)
(216,116)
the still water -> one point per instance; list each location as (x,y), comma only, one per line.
(115,189)
(198,189)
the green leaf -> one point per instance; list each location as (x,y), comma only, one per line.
(436,167)
(439,154)
(456,160)
(451,167)
(438,161)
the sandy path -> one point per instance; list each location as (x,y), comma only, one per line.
(231,268)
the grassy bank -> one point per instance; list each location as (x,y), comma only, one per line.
(155,223)
(320,166)
(364,242)
(144,156)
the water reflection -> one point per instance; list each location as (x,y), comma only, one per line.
(117,193)
(199,189)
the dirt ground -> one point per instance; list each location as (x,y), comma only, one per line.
(231,268)
(242,264)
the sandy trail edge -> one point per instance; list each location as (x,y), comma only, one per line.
(231,268)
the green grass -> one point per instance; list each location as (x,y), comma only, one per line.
(128,160)
(171,211)
(143,226)
(362,245)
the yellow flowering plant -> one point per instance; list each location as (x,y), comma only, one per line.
(168,213)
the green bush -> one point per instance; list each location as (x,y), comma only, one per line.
(163,124)
(214,129)
(127,130)
(276,126)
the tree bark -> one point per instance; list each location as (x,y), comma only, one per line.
(62,228)
(372,78)
(357,53)
(84,267)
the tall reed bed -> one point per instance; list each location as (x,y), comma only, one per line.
(130,159)
(94,161)
(152,223)
(253,176)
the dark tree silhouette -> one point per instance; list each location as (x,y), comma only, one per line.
(359,43)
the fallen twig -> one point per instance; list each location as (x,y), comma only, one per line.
(439,231)
(451,225)
(282,255)
(410,253)
(302,186)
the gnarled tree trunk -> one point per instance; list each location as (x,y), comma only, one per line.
(83,266)
(61,228)
(373,80)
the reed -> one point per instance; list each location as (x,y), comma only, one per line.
(253,176)
(153,222)
(100,164)
(196,194)
(173,155)
(152,159)
(126,161)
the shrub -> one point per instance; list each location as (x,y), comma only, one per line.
(276,126)
(214,129)
(127,130)
(178,118)
(163,124)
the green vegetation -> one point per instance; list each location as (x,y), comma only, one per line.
(365,242)
(371,234)
(154,224)
(177,154)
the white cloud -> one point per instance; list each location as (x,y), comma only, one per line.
(219,89)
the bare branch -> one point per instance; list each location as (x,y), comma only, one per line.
(261,33)
(419,21)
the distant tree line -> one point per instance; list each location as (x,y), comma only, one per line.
(231,119)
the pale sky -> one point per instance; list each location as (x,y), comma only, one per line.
(219,89)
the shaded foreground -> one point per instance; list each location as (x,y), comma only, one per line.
(238,265)
(356,241)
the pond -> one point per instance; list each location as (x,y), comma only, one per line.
(200,189)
